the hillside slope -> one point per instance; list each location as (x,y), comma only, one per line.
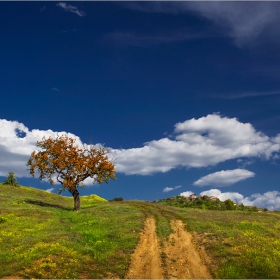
(42,237)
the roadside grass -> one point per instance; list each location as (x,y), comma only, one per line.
(241,245)
(42,237)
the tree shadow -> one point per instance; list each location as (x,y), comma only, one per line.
(45,204)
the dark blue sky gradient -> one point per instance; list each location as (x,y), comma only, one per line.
(122,76)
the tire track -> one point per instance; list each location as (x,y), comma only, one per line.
(182,260)
(146,261)
(176,259)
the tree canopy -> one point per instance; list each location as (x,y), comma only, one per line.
(62,160)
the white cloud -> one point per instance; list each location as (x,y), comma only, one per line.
(224,178)
(17,143)
(51,190)
(234,196)
(88,181)
(214,139)
(269,200)
(186,194)
(244,21)
(198,143)
(71,9)
(167,189)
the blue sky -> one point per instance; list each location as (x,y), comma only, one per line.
(186,94)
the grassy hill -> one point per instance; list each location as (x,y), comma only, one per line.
(42,237)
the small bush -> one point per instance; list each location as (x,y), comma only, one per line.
(117,199)
(11,180)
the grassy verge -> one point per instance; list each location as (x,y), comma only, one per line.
(241,245)
(41,237)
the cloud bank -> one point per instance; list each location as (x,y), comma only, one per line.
(245,22)
(71,9)
(269,200)
(201,142)
(224,178)
(196,143)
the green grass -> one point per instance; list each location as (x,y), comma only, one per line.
(241,245)
(41,237)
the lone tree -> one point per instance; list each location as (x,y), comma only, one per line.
(11,179)
(60,158)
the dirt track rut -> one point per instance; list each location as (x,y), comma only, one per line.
(177,259)
(146,261)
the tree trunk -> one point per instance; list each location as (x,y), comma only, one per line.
(76,197)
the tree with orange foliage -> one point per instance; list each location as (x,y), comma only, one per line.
(60,158)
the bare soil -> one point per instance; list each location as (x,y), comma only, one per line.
(176,259)
(146,260)
(182,259)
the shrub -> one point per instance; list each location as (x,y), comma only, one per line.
(117,199)
(11,180)
(229,204)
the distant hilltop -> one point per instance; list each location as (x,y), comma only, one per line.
(207,202)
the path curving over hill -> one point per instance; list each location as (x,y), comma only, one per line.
(176,259)
(146,261)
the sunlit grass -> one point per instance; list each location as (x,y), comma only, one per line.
(242,245)
(41,237)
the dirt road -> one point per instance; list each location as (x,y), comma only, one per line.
(146,261)
(177,259)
